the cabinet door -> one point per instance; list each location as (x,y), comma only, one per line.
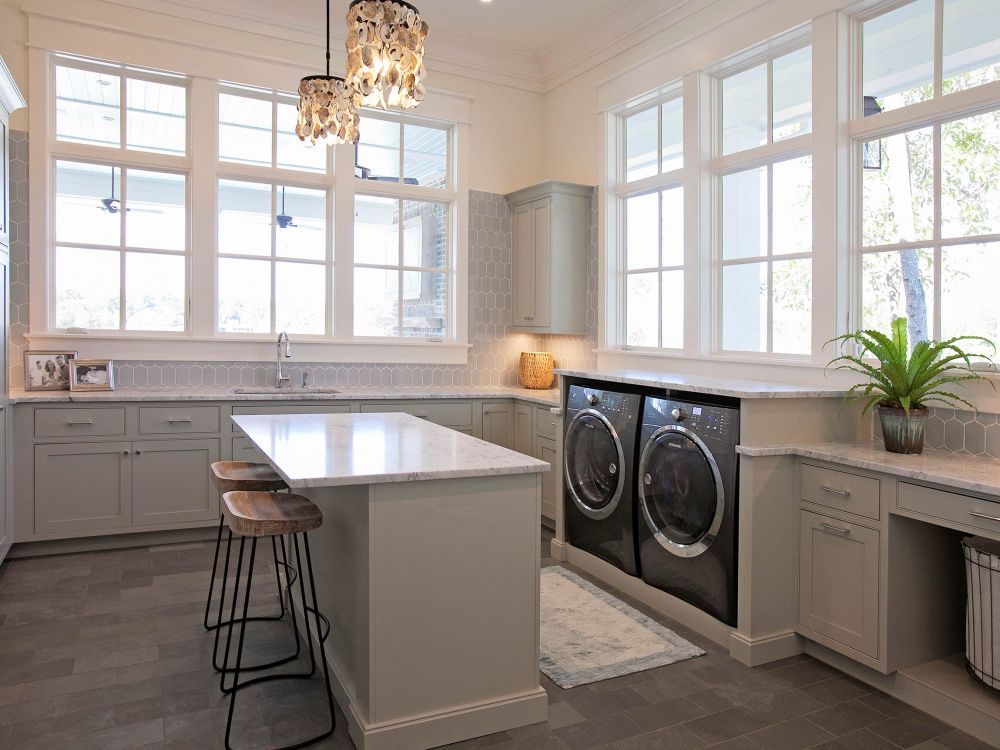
(524,266)
(498,427)
(523,432)
(83,487)
(541,224)
(545,450)
(171,482)
(838,581)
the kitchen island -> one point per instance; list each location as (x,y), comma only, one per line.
(427,568)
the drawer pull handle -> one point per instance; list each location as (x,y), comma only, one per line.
(180,420)
(80,421)
(835,491)
(834,529)
(984,515)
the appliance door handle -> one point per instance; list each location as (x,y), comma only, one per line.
(835,491)
(984,515)
(831,529)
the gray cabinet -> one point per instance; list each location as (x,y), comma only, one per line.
(551,239)
(839,581)
(524,435)
(170,483)
(498,423)
(547,449)
(82,487)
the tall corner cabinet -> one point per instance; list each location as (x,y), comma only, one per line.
(10,100)
(550,223)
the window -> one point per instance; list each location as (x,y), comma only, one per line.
(397,151)
(765,232)
(654,227)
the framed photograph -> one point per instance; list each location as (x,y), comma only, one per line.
(91,375)
(47,371)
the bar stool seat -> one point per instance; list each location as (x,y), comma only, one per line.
(235,476)
(253,515)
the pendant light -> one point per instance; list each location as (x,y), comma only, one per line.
(385,53)
(327,105)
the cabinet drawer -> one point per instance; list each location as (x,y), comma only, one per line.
(950,506)
(170,420)
(288,409)
(546,423)
(245,450)
(842,490)
(63,422)
(443,413)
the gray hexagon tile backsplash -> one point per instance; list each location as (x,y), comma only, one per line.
(494,349)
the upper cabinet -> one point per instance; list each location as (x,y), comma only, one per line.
(551,237)
(10,99)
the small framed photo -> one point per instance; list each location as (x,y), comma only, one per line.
(47,371)
(92,375)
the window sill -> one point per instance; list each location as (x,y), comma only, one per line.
(181,348)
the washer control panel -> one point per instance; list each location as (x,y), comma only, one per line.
(702,419)
(614,405)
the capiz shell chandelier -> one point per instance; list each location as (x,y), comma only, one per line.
(327,106)
(385,53)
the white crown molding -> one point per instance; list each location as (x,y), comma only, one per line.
(10,95)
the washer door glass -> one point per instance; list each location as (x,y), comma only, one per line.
(679,491)
(592,457)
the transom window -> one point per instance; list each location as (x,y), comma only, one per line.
(401,152)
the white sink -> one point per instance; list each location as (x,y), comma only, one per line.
(269,389)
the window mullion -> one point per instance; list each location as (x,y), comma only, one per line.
(770,256)
(938,86)
(274,255)
(937,142)
(121,246)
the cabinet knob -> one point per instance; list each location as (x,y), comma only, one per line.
(124,453)
(138,453)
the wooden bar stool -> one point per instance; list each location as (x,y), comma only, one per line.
(257,515)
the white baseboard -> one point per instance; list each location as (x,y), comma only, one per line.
(558,550)
(756,651)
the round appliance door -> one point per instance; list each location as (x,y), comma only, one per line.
(593,464)
(680,491)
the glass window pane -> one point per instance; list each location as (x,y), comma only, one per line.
(744,110)
(898,55)
(642,300)
(155,214)
(969,302)
(87,288)
(424,234)
(88,203)
(425,156)
(744,307)
(642,226)
(88,107)
(791,331)
(376,302)
(672,135)
(378,150)
(640,145)
(425,298)
(971,43)
(244,218)
(155,120)
(300,228)
(376,230)
(300,298)
(744,214)
(244,129)
(792,94)
(244,296)
(673,227)
(293,153)
(898,284)
(791,193)
(154,292)
(898,196)
(970,178)
(673,310)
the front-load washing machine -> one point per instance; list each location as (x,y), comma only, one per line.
(598,458)
(687,498)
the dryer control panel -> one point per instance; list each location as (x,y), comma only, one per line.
(704,420)
(617,407)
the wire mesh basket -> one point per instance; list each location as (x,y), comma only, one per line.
(982,630)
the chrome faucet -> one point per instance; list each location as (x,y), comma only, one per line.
(280,377)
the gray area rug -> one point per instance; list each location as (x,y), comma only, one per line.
(588,635)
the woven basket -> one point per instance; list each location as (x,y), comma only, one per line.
(536,370)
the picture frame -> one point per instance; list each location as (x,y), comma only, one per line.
(92,375)
(47,370)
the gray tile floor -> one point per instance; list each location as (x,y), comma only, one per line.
(106,651)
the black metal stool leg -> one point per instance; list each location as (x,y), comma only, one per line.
(322,648)
(215,564)
(232,617)
(243,632)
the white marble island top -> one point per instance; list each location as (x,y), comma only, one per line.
(325,450)
(718,385)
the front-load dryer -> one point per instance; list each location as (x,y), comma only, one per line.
(598,456)
(687,485)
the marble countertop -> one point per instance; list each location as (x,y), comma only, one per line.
(955,470)
(324,450)
(548,398)
(712,384)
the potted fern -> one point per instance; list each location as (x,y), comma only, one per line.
(902,383)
